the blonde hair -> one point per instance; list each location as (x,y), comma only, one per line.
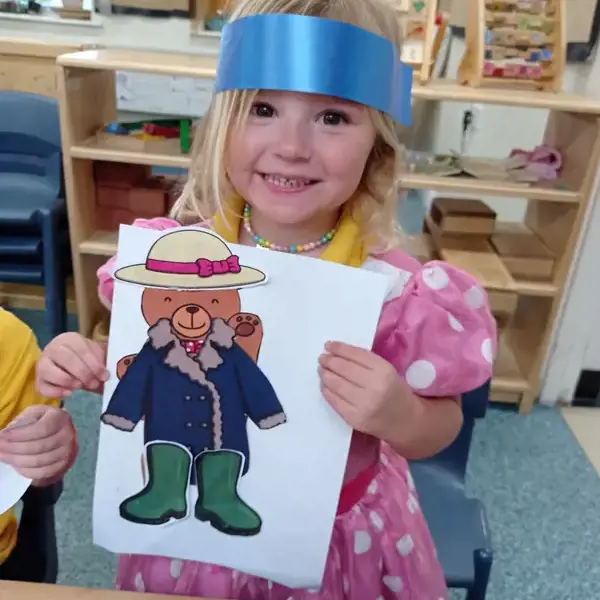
(374,203)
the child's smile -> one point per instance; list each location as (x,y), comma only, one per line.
(298,158)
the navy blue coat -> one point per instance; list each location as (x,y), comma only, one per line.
(202,403)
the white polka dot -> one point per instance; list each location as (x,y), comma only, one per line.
(435,278)
(380,598)
(346,585)
(356,509)
(372,489)
(405,545)
(475,297)
(362,542)
(139,584)
(270,585)
(412,504)
(393,583)
(410,481)
(420,375)
(376,520)
(384,460)
(487,350)
(175,568)
(455,323)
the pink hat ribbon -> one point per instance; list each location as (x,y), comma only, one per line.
(202,267)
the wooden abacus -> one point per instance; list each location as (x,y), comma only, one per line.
(515,43)
(422,34)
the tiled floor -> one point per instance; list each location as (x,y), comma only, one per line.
(585,424)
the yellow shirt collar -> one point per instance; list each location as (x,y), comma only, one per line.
(346,248)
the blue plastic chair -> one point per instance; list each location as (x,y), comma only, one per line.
(458,524)
(34,240)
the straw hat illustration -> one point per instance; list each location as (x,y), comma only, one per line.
(191,259)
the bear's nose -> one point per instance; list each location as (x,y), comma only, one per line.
(192,309)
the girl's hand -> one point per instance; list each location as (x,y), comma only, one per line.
(71,362)
(39,443)
(366,391)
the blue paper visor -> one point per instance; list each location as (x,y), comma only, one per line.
(314,55)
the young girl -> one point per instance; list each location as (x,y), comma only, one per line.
(315,174)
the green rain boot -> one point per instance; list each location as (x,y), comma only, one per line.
(218,499)
(165,494)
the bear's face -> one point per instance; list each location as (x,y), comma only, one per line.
(190,311)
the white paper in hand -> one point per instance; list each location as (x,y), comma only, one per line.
(12,487)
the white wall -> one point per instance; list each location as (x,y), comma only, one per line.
(497,130)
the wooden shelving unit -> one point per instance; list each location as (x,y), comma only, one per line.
(86,82)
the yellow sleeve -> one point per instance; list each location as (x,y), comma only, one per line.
(19,353)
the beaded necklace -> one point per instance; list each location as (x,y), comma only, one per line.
(325,239)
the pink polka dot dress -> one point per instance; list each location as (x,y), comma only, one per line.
(437,330)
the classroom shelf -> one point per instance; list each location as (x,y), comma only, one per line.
(108,150)
(555,215)
(507,189)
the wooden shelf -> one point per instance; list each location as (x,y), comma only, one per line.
(162,63)
(101,243)
(528,308)
(466,185)
(105,149)
(157,63)
(451,91)
(507,376)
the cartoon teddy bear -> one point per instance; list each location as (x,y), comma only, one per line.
(193,384)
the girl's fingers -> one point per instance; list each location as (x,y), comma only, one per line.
(347,391)
(78,366)
(350,371)
(32,446)
(36,461)
(94,356)
(359,356)
(56,377)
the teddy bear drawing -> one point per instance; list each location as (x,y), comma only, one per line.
(192,385)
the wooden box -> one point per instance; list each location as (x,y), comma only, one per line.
(457,216)
(523,253)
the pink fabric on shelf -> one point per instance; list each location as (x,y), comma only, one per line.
(438,332)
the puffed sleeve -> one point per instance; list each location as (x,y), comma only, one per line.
(439,332)
(106,281)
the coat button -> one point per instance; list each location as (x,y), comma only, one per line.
(203,425)
(202,397)
(188,397)
(188,424)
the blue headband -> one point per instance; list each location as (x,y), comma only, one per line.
(296,53)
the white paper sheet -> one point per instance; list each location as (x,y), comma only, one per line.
(12,487)
(296,469)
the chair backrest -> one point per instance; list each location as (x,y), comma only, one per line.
(456,456)
(30,141)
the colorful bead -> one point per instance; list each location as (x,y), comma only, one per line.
(296,249)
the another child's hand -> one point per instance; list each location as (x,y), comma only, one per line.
(39,443)
(366,390)
(71,362)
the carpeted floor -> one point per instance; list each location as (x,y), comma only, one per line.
(540,491)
